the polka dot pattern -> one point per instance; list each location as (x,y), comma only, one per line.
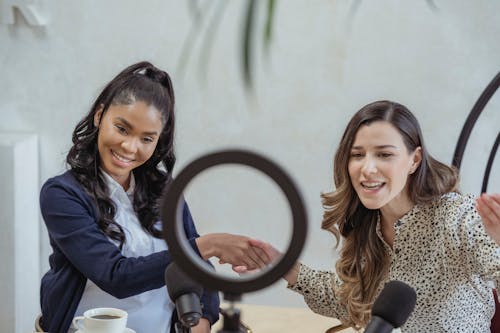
(441,250)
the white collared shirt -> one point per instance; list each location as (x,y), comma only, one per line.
(150,311)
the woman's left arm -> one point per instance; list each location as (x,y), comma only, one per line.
(470,241)
(488,206)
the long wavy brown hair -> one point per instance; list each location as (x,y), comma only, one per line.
(363,262)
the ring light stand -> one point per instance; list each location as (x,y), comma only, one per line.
(194,266)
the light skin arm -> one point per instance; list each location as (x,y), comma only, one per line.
(273,254)
(488,207)
(232,249)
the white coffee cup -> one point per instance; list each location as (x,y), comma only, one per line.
(101,320)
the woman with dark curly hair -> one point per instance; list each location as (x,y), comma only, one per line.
(400,216)
(102,214)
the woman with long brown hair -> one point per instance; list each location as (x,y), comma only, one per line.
(398,215)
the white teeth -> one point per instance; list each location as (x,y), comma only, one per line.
(371,185)
(123,159)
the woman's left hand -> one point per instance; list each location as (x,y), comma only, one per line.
(488,206)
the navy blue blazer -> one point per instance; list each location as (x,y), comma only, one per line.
(82,251)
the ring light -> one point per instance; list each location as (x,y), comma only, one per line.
(181,250)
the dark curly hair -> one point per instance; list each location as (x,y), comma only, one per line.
(139,82)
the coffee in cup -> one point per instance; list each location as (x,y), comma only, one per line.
(101,320)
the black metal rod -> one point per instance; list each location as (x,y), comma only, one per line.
(487,172)
(472,118)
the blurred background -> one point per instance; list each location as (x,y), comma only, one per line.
(307,68)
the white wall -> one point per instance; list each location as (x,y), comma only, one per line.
(326,60)
(19,232)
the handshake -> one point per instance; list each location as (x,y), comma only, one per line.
(244,254)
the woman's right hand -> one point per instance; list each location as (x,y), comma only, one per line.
(232,249)
(488,206)
(274,255)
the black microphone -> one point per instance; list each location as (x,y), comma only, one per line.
(185,293)
(392,307)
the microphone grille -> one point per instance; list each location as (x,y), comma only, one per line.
(179,283)
(395,303)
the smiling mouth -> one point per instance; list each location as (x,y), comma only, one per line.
(121,158)
(372,185)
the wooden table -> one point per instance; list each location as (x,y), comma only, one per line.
(272,319)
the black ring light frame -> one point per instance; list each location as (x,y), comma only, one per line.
(474,114)
(181,250)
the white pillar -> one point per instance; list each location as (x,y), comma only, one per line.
(19,232)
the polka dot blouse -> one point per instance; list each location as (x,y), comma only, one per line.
(443,252)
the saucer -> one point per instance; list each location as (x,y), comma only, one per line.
(127,330)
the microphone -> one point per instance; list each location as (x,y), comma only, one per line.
(392,307)
(185,293)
